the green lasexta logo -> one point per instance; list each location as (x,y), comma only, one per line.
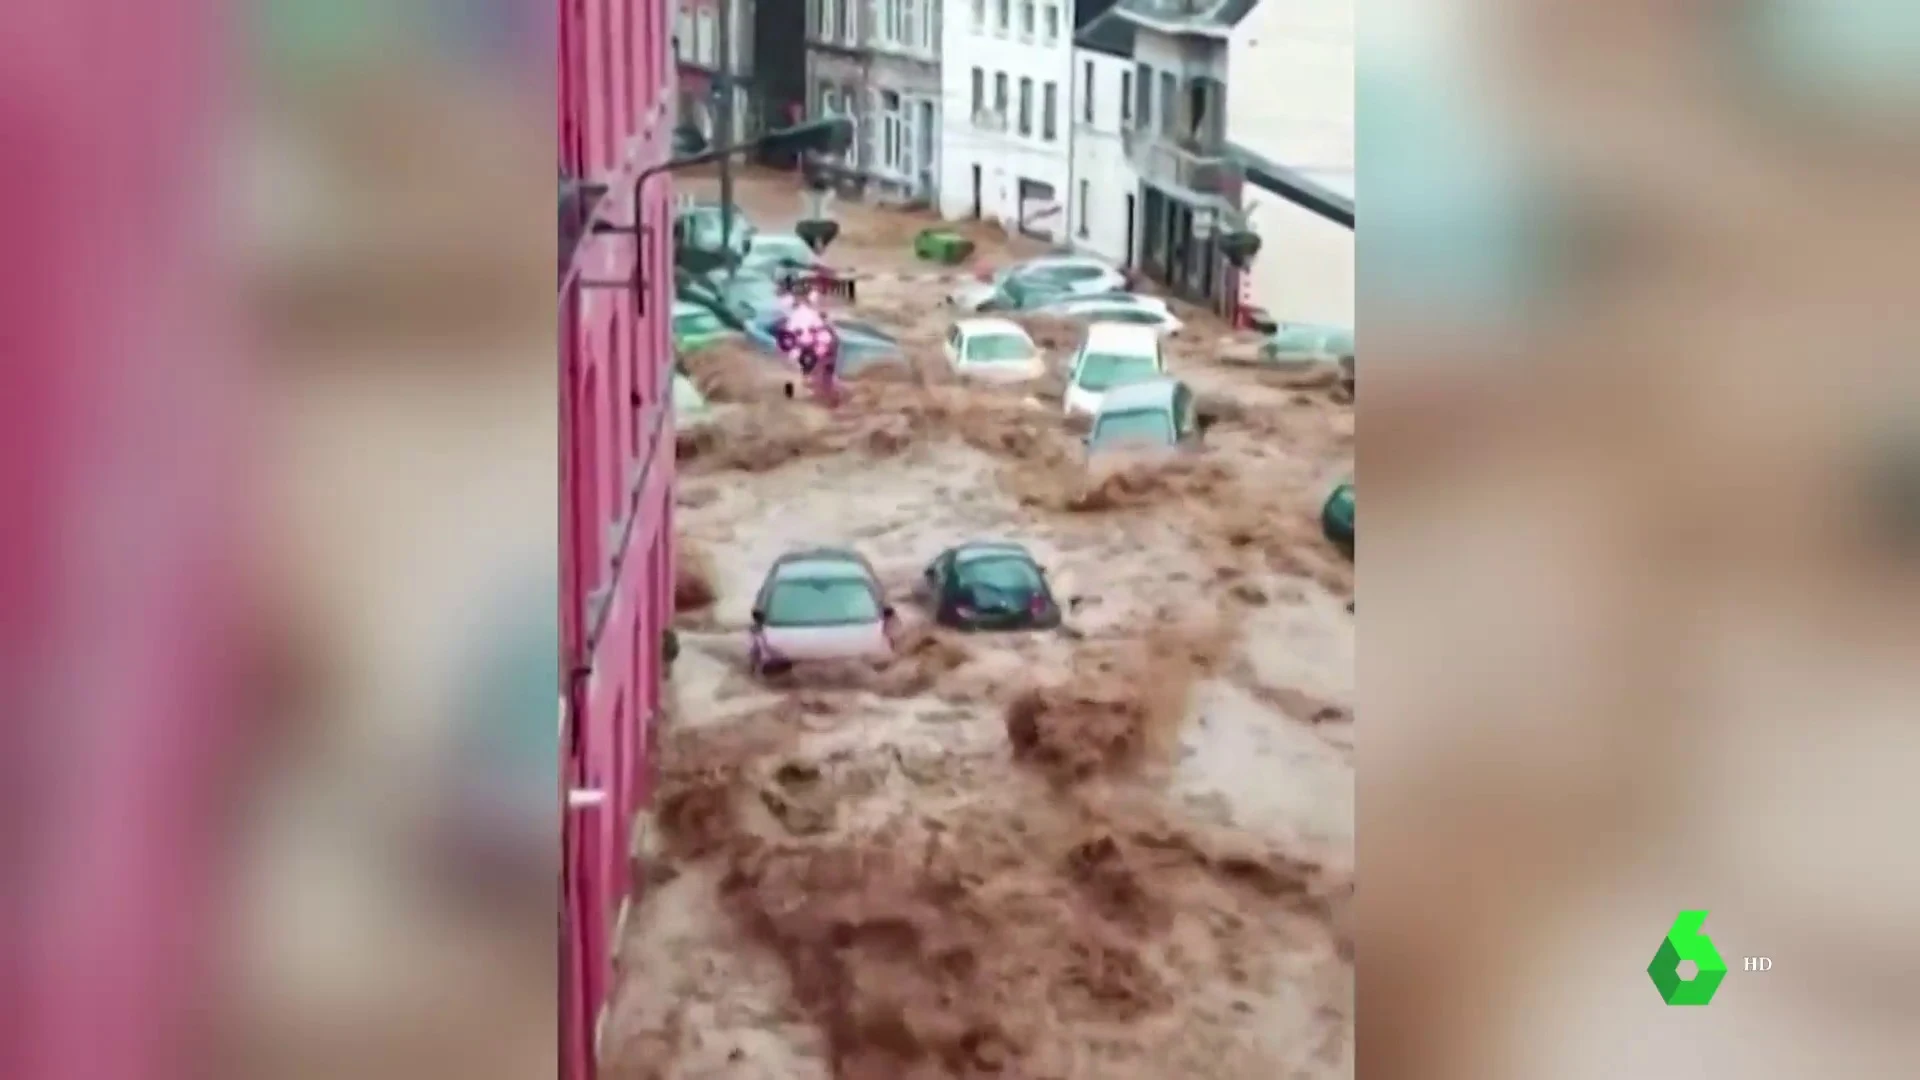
(1685,942)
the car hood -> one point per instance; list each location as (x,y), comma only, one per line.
(970,297)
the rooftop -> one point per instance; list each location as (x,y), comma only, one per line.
(1181,16)
(1110,33)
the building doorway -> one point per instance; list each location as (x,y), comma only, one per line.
(1039,210)
(976,193)
(927,149)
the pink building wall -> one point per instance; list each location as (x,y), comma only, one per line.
(617,480)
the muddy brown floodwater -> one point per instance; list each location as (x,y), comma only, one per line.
(1120,851)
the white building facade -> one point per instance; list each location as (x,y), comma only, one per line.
(1290,125)
(1103,197)
(878,63)
(1007,74)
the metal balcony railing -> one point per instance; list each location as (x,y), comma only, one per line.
(1181,164)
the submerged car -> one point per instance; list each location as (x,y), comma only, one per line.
(739,297)
(990,585)
(776,254)
(1155,416)
(819,604)
(1336,517)
(1295,343)
(1111,355)
(699,227)
(993,350)
(1035,283)
(1117,308)
(696,325)
(862,344)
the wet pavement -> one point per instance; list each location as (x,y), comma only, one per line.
(1122,850)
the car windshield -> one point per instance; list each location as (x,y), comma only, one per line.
(997,348)
(837,601)
(1133,315)
(1029,291)
(1000,576)
(1104,371)
(1133,426)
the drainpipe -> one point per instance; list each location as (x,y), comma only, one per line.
(1075,211)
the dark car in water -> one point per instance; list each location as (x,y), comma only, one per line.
(862,344)
(990,585)
(1336,517)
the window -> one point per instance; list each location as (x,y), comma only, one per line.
(849,11)
(1086,93)
(706,44)
(893,145)
(1169,103)
(1126,97)
(1000,93)
(904,24)
(829,24)
(1049,101)
(682,34)
(1104,371)
(1051,23)
(1000,14)
(979,14)
(1026,18)
(979,92)
(1086,199)
(1026,106)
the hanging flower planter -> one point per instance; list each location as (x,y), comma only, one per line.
(1239,246)
(818,233)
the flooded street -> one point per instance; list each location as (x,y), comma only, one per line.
(1121,850)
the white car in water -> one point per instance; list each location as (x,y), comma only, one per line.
(1029,285)
(994,350)
(1117,308)
(1111,355)
(1157,416)
(819,604)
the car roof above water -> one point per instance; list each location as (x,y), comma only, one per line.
(976,550)
(1147,394)
(818,563)
(1125,338)
(990,326)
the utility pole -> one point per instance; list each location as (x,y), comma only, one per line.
(725,130)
